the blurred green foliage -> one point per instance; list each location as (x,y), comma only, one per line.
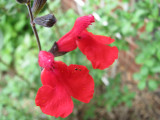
(20,73)
(149,42)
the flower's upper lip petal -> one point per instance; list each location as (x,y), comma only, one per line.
(68,41)
(82,23)
(51,77)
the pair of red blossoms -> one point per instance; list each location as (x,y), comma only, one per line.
(60,81)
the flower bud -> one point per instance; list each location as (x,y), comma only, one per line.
(46,21)
(55,51)
(22,1)
(37,6)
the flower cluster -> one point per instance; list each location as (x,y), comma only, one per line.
(60,82)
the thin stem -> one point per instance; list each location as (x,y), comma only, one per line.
(33,24)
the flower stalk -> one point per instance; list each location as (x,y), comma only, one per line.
(33,24)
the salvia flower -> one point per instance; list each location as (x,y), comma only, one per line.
(59,83)
(95,47)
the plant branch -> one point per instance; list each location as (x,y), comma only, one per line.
(33,25)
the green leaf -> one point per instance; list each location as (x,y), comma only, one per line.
(158,54)
(149,63)
(150,26)
(129,103)
(144,71)
(142,84)
(137,76)
(137,15)
(156,69)
(3,67)
(152,84)
(1,39)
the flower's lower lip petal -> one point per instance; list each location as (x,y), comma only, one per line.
(48,78)
(100,55)
(54,101)
(80,83)
(53,97)
(100,38)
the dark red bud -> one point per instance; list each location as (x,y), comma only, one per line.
(54,50)
(22,1)
(37,6)
(46,21)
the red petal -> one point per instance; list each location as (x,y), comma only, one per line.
(59,84)
(100,55)
(80,83)
(46,59)
(82,23)
(100,38)
(68,41)
(54,101)
(48,78)
(75,79)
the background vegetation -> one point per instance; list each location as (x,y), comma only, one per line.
(134,24)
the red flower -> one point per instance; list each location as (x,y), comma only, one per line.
(60,82)
(93,46)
